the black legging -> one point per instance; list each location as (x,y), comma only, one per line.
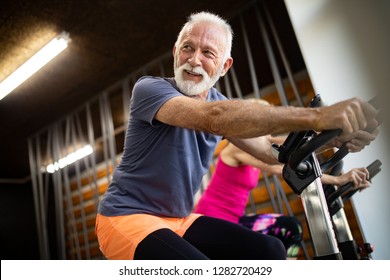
(210,238)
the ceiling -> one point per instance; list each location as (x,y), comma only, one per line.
(110,39)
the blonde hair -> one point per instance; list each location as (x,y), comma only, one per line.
(259,101)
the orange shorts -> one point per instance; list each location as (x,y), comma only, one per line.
(119,236)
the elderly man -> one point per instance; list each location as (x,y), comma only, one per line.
(174,127)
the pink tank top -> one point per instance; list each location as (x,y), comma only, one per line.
(227,193)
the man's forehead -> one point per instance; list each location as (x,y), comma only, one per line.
(205,30)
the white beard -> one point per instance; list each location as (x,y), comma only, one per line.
(192,88)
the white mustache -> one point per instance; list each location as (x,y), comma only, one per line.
(196,70)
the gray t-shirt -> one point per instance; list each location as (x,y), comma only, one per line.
(162,165)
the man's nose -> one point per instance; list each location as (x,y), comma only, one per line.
(194,60)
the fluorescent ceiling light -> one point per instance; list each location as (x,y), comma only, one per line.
(36,62)
(69,159)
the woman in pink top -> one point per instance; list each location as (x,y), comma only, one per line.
(236,174)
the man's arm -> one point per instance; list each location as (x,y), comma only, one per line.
(242,119)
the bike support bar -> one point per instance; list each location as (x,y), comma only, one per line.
(305,179)
(346,242)
(319,222)
(302,172)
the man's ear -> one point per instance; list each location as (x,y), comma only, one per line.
(226,66)
(174,50)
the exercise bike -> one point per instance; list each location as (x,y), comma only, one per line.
(302,172)
(336,198)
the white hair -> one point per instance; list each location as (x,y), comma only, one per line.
(210,18)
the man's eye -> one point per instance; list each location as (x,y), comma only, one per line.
(208,53)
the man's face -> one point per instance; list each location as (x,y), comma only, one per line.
(198,58)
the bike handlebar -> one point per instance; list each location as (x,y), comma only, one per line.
(373,169)
(298,149)
(309,147)
(324,137)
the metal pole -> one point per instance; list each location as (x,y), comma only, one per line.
(270,193)
(279,188)
(70,208)
(272,60)
(58,196)
(36,200)
(283,57)
(235,82)
(91,140)
(319,222)
(250,59)
(228,89)
(104,135)
(80,192)
(41,199)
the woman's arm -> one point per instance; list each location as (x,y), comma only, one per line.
(358,176)
(233,156)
